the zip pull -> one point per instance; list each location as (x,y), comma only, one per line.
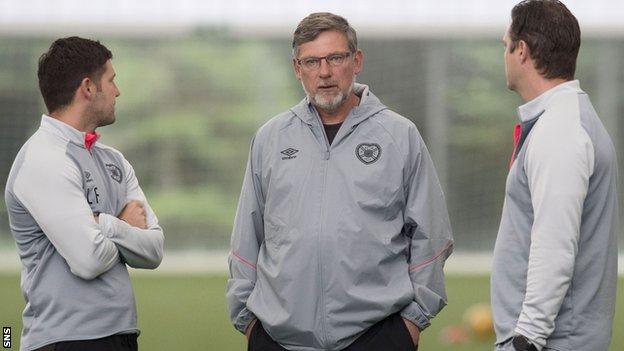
(326,155)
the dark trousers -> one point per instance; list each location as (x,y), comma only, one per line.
(388,334)
(118,342)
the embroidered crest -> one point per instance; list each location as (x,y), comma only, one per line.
(368,153)
(114,172)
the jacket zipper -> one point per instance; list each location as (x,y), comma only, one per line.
(325,163)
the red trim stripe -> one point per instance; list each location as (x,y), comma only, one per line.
(243,260)
(516,136)
(422,264)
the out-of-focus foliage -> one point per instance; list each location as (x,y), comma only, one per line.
(186,116)
(189,107)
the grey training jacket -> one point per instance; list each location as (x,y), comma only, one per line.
(554,276)
(74,276)
(320,249)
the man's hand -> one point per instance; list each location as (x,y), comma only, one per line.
(250,328)
(413,330)
(134,214)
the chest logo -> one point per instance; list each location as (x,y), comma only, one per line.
(289,153)
(93,196)
(368,153)
(88,178)
(114,172)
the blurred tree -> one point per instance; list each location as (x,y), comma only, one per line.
(190,105)
(187,113)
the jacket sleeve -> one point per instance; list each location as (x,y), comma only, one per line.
(140,248)
(247,236)
(427,227)
(50,189)
(559,163)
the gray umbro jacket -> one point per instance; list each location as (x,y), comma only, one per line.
(329,240)
(74,275)
(554,275)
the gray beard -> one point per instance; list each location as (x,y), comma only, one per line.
(332,105)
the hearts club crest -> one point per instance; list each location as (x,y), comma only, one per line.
(368,153)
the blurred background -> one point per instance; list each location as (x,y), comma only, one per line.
(197,78)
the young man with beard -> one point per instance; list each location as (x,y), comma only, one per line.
(554,274)
(341,231)
(77,212)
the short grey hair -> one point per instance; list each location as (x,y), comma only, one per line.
(312,26)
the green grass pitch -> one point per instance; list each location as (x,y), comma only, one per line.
(189,313)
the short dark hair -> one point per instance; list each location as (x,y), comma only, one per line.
(312,26)
(552,34)
(65,65)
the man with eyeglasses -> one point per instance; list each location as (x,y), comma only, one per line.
(341,231)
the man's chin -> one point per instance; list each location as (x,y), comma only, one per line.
(327,107)
(511,86)
(328,104)
(107,121)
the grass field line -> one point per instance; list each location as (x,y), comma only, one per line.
(215,262)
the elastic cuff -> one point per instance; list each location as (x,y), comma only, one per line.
(244,318)
(414,314)
(539,343)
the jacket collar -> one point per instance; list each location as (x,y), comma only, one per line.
(62,130)
(537,106)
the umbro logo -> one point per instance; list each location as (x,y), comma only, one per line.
(88,177)
(289,153)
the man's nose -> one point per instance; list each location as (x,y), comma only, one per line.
(325,69)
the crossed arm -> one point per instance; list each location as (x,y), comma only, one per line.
(57,203)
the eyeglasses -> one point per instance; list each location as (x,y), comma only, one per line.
(314,63)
